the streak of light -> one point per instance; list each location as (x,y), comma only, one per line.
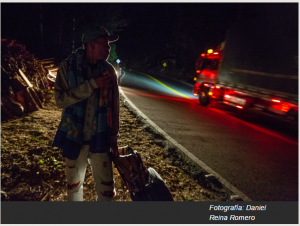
(256,127)
(277,101)
(173,90)
(160,97)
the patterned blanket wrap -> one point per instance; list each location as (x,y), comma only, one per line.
(69,136)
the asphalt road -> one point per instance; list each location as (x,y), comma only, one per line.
(255,153)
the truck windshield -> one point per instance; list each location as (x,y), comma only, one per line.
(205,64)
(214,64)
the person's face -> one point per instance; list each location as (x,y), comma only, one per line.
(101,48)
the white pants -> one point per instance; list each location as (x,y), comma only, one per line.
(101,170)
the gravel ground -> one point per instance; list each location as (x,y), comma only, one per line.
(33,170)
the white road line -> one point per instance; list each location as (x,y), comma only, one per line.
(187,153)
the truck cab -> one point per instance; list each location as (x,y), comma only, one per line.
(207,66)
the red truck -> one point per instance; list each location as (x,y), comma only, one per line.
(207,66)
(256,67)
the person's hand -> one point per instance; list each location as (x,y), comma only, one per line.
(103,81)
(114,149)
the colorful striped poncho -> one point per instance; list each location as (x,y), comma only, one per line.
(69,136)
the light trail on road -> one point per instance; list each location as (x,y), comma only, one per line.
(158,96)
(255,127)
(169,88)
(215,110)
(257,157)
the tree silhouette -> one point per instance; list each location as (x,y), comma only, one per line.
(72,19)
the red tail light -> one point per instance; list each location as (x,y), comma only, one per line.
(197,85)
(198,71)
(285,108)
(203,54)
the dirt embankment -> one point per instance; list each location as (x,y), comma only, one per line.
(33,170)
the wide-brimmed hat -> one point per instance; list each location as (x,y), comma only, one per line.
(93,32)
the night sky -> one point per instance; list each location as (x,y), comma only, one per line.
(153,26)
(154,30)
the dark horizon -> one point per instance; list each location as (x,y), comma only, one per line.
(147,21)
(149,32)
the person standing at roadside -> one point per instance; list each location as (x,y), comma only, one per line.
(86,88)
